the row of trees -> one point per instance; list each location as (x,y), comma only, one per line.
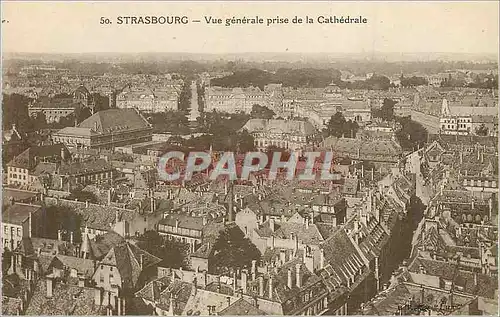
(413,81)
(305,77)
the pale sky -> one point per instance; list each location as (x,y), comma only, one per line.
(57,27)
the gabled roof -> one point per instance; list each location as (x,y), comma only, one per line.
(18,213)
(127,258)
(241,307)
(112,120)
(27,159)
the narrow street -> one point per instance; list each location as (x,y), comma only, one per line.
(193,108)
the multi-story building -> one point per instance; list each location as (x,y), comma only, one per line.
(20,170)
(234,100)
(288,134)
(20,221)
(465,120)
(107,129)
(56,108)
(149,99)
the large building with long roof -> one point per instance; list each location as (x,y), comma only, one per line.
(107,129)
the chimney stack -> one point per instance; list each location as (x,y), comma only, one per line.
(289,281)
(71,237)
(298,273)
(282,257)
(59,235)
(50,285)
(254,269)
(244,281)
(271,287)
(261,286)
(271,224)
(321,259)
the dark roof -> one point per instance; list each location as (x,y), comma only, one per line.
(17,195)
(126,257)
(241,307)
(113,120)
(18,213)
(90,166)
(66,300)
(486,285)
(27,159)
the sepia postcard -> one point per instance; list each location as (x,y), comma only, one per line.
(196,158)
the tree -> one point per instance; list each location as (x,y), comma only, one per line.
(387,110)
(412,135)
(339,127)
(172,253)
(482,130)
(233,250)
(261,112)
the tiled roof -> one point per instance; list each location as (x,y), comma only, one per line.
(11,306)
(18,213)
(302,128)
(66,300)
(486,285)
(112,120)
(89,166)
(126,258)
(241,307)
(82,266)
(27,158)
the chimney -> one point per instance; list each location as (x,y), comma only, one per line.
(298,276)
(321,259)
(307,223)
(282,257)
(422,294)
(109,196)
(311,215)
(244,281)
(490,207)
(261,286)
(235,282)
(50,285)
(81,281)
(59,235)
(29,225)
(271,224)
(86,204)
(71,237)
(289,281)
(230,206)
(271,287)
(254,269)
